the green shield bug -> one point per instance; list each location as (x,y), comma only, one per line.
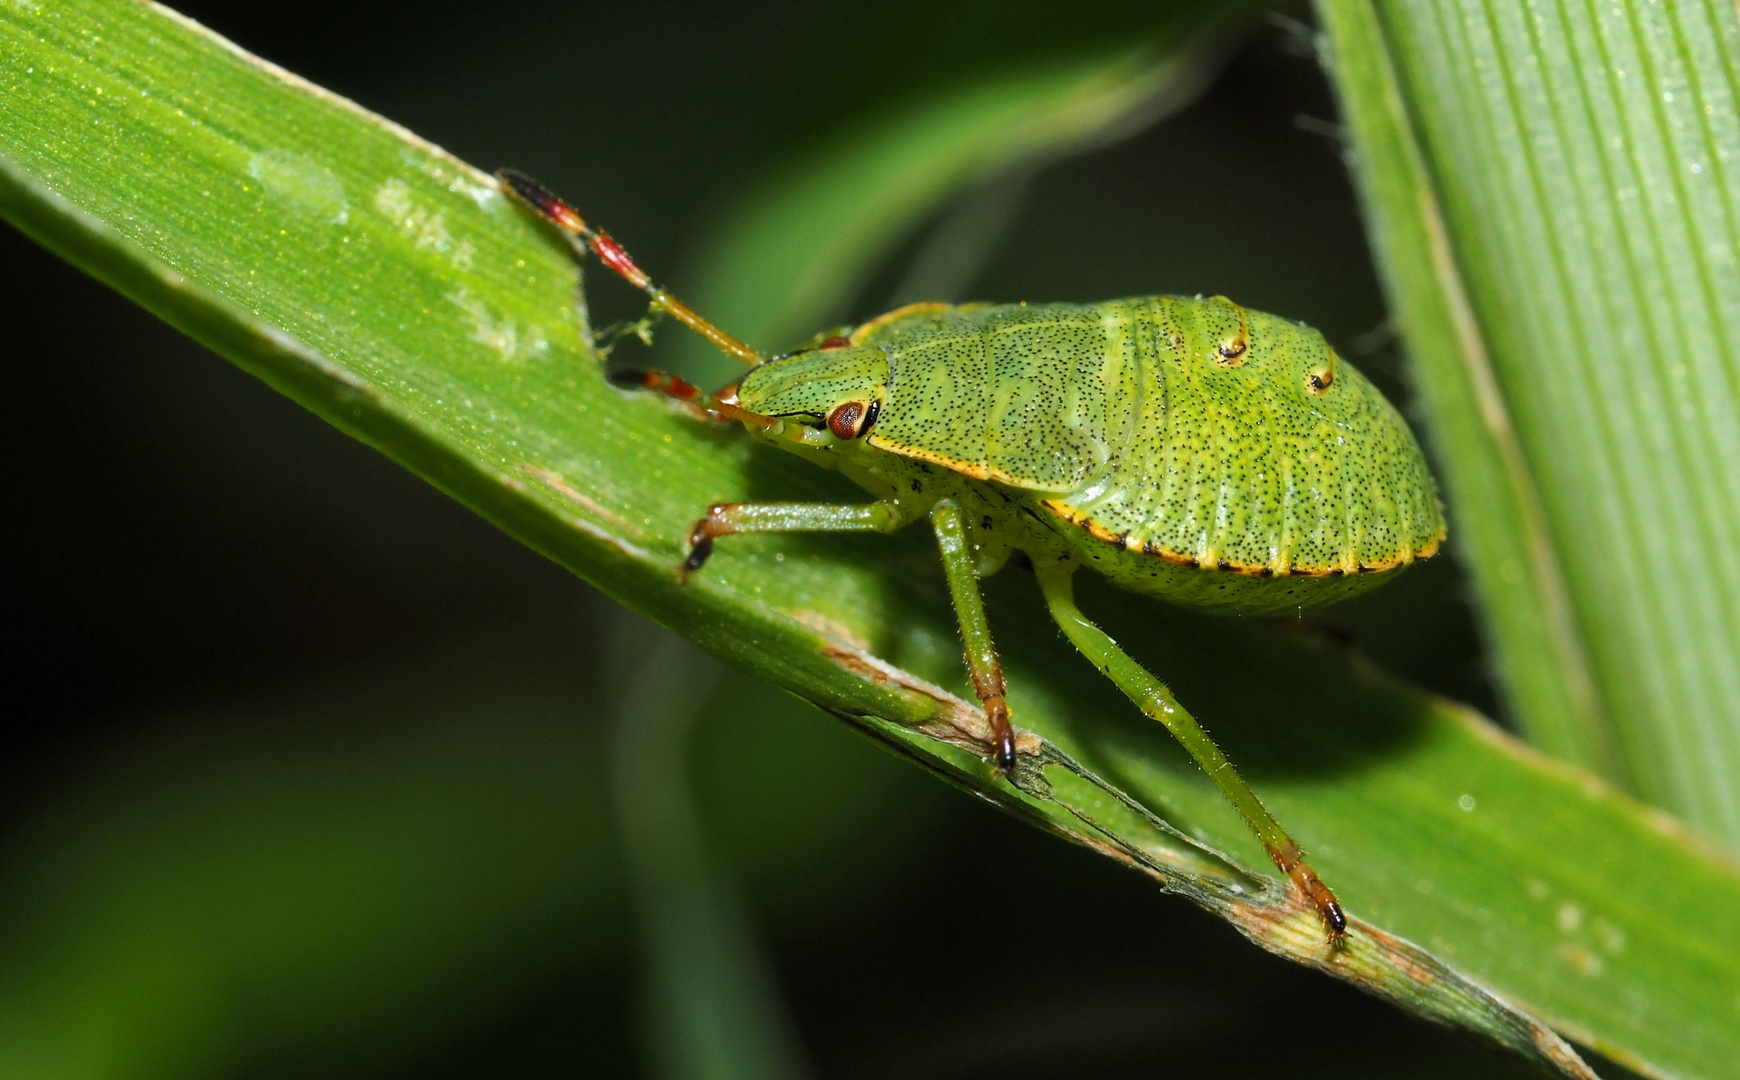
(1180,446)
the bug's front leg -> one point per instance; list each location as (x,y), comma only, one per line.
(722,404)
(1152,697)
(724,519)
(959,565)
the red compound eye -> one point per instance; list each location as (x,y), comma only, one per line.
(847,420)
(835,343)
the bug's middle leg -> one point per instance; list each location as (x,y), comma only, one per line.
(959,565)
(1152,697)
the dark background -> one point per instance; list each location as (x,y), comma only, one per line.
(196,567)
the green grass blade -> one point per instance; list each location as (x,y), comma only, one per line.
(1501,530)
(1583,156)
(386,286)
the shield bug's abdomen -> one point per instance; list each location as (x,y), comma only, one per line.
(1196,450)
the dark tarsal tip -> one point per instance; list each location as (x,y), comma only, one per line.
(1336,921)
(1006,754)
(698,555)
(628,378)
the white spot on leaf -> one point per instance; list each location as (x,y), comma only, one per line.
(428,230)
(1570,917)
(486,195)
(301,183)
(503,335)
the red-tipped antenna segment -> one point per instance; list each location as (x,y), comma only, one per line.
(544,201)
(612,254)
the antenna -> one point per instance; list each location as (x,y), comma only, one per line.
(566,218)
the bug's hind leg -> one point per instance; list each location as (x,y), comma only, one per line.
(982,662)
(1154,699)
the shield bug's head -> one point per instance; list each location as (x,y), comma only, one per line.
(838,386)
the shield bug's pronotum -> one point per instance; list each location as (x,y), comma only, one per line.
(1181,446)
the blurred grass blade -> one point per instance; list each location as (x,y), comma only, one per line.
(388,287)
(1583,162)
(710,1009)
(791,255)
